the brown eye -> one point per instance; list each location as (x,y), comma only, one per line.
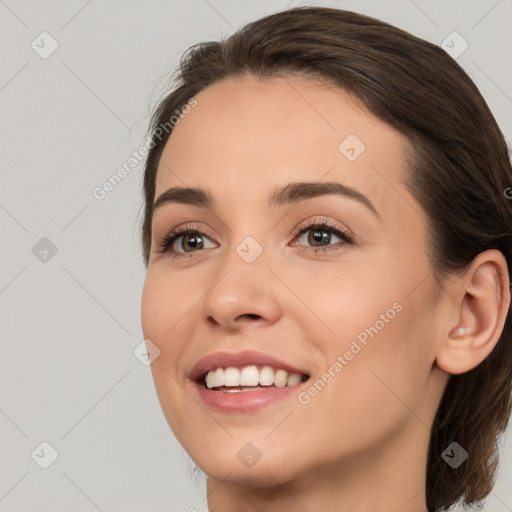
(182,241)
(194,241)
(319,237)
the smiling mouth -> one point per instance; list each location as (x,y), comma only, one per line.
(249,378)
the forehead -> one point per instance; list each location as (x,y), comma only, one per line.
(246,136)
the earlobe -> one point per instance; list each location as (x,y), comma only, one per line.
(482,298)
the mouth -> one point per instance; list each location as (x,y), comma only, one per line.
(245,381)
(250,378)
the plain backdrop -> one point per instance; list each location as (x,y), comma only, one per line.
(77,81)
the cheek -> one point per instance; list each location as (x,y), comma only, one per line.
(386,379)
(163,313)
(378,335)
(348,304)
(165,305)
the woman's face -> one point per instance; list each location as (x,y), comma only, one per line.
(343,313)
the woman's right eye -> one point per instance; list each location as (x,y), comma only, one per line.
(180,242)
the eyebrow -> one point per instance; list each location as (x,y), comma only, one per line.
(289,194)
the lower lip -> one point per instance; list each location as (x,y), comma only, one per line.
(244,401)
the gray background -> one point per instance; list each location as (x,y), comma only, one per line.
(69,324)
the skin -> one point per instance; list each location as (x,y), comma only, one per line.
(369,427)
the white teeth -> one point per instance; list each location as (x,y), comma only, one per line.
(266,376)
(211,380)
(231,377)
(249,377)
(293,379)
(215,378)
(280,378)
(219,377)
(238,390)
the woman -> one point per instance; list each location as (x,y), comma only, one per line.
(328,245)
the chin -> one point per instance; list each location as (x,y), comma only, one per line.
(244,462)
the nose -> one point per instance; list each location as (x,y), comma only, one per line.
(243,296)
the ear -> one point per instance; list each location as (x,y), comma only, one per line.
(482,302)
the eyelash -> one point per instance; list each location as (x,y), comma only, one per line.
(347,239)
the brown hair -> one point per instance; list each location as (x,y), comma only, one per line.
(458,171)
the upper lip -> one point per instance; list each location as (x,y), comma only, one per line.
(245,358)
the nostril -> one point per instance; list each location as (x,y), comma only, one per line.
(212,320)
(252,316)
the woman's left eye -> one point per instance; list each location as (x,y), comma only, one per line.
(320,237)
